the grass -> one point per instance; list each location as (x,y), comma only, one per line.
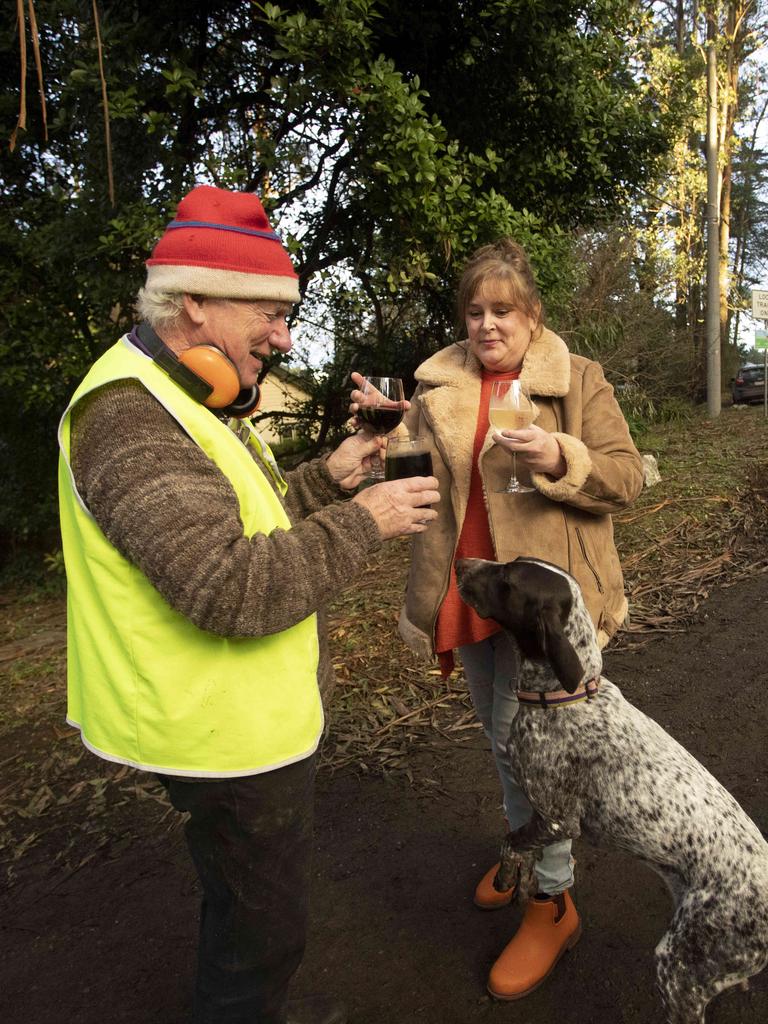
(704,522)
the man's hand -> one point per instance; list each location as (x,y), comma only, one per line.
(398,505)
(535,449)
(350,464)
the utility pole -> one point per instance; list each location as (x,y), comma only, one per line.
(714,390)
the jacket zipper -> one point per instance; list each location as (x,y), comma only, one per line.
(585,556)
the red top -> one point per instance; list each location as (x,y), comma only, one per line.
(457,622)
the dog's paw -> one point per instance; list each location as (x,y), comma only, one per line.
(528,883)
(518,871)
(506,878)
(508,875)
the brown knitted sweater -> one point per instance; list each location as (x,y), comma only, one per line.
(171,512)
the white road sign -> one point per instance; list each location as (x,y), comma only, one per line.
(760,303)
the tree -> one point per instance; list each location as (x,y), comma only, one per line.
(676,218)
(364,145)
(555,88)
(749,218)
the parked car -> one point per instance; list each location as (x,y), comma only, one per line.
(748,384)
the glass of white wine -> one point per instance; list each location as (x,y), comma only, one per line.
(511,408)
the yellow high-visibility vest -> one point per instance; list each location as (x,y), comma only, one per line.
(148,688)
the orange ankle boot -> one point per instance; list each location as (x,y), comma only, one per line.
(549,927)
(486,897)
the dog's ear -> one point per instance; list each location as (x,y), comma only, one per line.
(557,648)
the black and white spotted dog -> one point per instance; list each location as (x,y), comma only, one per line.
(600,768)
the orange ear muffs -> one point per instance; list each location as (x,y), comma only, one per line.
(246,403)
(205,373)
(212,366)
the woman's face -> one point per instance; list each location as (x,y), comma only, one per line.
(499,334)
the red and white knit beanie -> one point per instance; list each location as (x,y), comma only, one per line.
(221,245)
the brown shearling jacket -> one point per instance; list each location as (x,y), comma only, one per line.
(566,521)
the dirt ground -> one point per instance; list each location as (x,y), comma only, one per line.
(394,930)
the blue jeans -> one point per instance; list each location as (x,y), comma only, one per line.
(490,668)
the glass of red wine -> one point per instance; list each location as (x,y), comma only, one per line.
(382,409)
(407,456)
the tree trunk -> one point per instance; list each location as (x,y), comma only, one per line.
(714,396)
(727,122)
(745,224)
(682,289)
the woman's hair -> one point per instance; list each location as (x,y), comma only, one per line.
(506,264)
(158,308)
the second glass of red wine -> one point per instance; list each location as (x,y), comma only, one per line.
(382,409)
(407,456)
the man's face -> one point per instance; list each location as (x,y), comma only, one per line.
(246,331)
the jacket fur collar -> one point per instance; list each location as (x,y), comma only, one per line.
(450,396)
(546,366)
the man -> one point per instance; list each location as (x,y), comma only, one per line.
(196,573)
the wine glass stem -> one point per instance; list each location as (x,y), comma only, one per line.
(513,486)
(377,468)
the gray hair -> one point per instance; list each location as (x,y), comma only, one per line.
(159,308)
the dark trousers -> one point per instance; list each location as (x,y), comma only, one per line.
(250,840)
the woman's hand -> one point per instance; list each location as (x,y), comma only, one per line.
(350,463)
(356,399)
(535,449)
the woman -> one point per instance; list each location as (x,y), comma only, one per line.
(579,458)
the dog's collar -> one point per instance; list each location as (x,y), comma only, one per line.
(555,698)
